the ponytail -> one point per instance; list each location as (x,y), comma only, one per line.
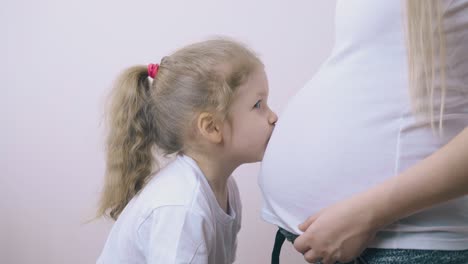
(130,140)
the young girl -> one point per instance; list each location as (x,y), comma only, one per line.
(207,104)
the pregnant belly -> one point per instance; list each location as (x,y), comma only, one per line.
(325,150)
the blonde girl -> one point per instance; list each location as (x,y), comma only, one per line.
(206,104)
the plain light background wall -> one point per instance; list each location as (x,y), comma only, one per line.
(61,59)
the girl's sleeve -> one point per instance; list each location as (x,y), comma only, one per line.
(173,234)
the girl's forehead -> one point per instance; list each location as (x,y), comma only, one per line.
(256,84)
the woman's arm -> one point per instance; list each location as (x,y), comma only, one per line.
(440,177)
(342,231)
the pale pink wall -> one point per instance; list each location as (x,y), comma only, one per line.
(61,57)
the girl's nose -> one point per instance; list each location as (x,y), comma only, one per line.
(273,118)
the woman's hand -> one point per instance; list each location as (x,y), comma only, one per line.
(337,233)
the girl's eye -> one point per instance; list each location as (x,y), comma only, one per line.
(258,104)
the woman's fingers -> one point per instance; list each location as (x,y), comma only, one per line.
(312,257)
(303,227)
(301,245)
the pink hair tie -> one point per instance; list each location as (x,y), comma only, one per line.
(153,70)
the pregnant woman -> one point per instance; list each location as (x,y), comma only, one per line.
(369,161)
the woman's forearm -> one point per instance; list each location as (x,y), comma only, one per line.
(438,178)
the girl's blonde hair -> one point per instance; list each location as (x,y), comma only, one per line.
(426,58)
(146,114)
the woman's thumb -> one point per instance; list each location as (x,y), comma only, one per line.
(303,227)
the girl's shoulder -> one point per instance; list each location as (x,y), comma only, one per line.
(174,185)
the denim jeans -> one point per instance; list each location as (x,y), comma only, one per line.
(402,256)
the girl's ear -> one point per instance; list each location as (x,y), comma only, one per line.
(209,127)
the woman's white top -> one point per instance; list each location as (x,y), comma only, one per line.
(351,126)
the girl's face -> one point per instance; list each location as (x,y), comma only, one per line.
(250,121)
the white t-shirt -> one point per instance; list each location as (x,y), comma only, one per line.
(351,127)
(176,219)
